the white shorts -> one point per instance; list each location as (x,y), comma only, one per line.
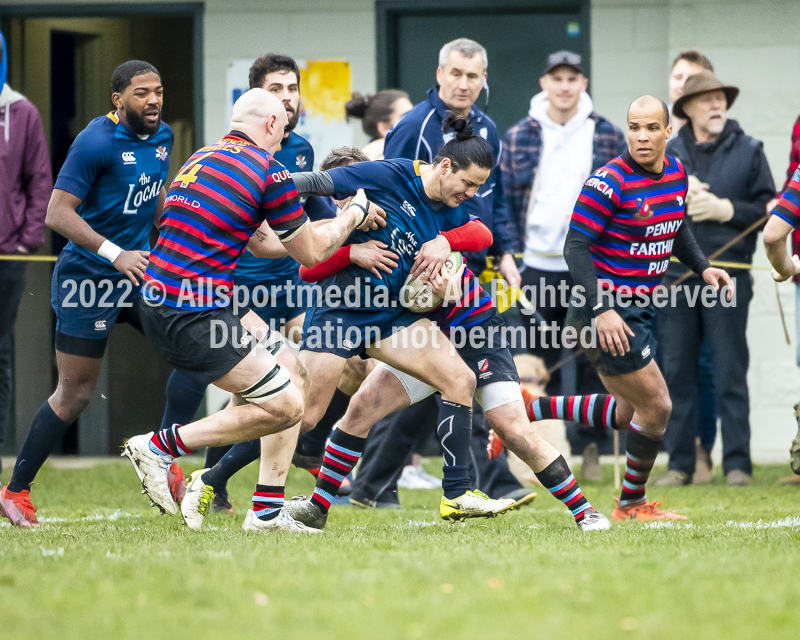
(490,396)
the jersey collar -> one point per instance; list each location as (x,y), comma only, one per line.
(641,170)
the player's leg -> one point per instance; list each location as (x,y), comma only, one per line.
(645,391)
(505,412)
(77,379)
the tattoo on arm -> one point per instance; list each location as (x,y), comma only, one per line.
(337,233)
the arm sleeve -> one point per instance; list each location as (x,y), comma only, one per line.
(761,189)
(87,158)
(503,225)
(325,269)
(473,236)
(686,249)
(788,207)
(310,183)
(578,255)
(38,181)
(794,154)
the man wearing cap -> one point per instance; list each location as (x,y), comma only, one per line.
(546,158)
(729,186)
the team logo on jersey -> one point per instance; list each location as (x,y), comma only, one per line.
(646,351)
(100,325)
(128,157)
(162,153)
(680,200)
(643,209)
(280,176)
(410,210)
(301,161)
(483,365)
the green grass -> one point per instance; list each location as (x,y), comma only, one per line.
(106,566)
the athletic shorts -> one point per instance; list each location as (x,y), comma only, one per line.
(642,344)
(207,343)
(350,332)
(493,365)
(88,299)
(277,309)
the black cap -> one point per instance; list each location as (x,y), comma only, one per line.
(562,59)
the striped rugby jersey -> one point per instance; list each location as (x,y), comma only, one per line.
(788,206)
(215,203)
(633,215)
(475,306)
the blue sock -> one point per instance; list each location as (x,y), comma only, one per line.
(239,456)
(184,395)
(455,431)
(46,432)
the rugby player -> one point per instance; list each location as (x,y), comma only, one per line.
(498,392)
(785,217)
(626,225)
(229,195)
(421,201)
(106,198)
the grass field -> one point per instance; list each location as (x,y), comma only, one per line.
(104,565)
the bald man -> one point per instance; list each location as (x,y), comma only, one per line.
(229,195)
(626,224)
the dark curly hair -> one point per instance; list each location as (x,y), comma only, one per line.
(270,63)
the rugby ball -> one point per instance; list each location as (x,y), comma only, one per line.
(417,296)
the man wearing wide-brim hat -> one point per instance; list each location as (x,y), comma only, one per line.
(729,185)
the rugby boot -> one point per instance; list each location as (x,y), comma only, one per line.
(153,472)
(473,504)
(283,522)
(18,508)
(643,511)
(594,521)
(197,500)
(303,510)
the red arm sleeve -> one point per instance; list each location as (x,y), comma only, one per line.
(473,236)
(327,268)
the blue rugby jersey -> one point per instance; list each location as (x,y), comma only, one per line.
(118,176)
(296,154)
(633,215)
(412,218)
(215,203)
(788,207)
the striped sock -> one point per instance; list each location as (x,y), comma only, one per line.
(267,501)
(558,480)
(341,455)
(641,452)
(594,410)
(167,442)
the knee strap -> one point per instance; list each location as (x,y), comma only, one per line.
(271,385)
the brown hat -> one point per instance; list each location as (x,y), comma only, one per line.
(701,83)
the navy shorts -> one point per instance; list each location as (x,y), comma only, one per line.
(487,354)
(349,332)
(642,344)
(273,303)
(88,299)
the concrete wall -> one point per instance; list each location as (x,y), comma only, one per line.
(755,46)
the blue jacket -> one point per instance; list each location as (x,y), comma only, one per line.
(419,136)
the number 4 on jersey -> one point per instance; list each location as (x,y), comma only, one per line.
(188,174)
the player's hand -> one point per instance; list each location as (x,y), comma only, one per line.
(372,256)
(613,332)
(430,258)
(718,278)
(132,264)
(777,277)
(508,268)
(376,217)
(447,285)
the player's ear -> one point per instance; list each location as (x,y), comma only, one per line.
(116,99)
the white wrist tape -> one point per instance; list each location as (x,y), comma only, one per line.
(109,251)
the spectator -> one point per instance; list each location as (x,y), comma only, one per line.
(378,114)
(546,159)
(27,182)
(729,186)
(686,64)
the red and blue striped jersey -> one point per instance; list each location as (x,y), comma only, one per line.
(475,306)
(788,206)
(215,203)
(633,216)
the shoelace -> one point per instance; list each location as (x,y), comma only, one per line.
(25,505)
(480,494)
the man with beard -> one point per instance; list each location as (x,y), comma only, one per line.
(107,197)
